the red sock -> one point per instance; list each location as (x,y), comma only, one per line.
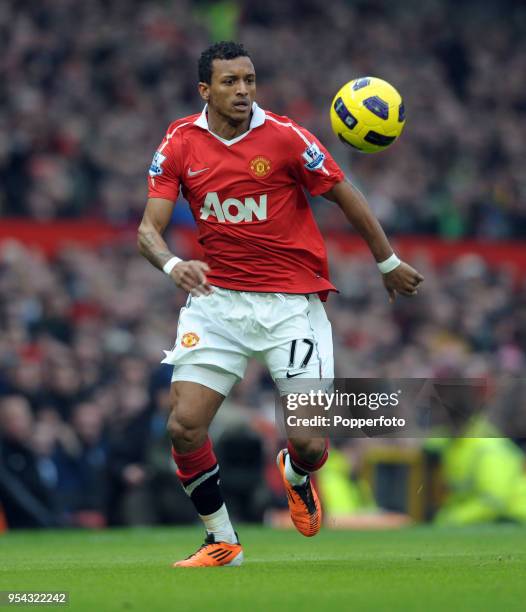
(306,466)
(194,463)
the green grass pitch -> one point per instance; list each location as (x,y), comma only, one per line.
(420,568)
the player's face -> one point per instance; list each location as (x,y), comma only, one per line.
(233,88)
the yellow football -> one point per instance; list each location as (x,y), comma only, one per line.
(368,114)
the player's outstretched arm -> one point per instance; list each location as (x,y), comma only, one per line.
(188,275)
(401,279)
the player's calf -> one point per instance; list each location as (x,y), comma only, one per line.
(185,437)
(192,409)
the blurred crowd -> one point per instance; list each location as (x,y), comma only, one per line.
(86,93)
(84,399)
(87,90)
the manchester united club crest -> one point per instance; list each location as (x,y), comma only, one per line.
(189,340)
(260,166)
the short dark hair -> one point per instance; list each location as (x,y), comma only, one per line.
(224,50)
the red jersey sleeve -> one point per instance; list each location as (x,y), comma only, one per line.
(312,164)
(165,169)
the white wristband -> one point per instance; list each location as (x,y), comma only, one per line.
(389,264)
(170,264)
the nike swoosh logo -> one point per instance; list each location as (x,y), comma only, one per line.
(289,375)
(193,173)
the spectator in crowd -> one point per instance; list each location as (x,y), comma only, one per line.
(26,482)
(128,431)
(82,470)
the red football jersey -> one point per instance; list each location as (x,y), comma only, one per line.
(254,222)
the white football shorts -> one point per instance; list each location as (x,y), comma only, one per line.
(218,333)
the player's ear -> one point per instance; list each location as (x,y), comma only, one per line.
(204,91)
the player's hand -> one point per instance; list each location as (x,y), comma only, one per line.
(403,280)
(191,276)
